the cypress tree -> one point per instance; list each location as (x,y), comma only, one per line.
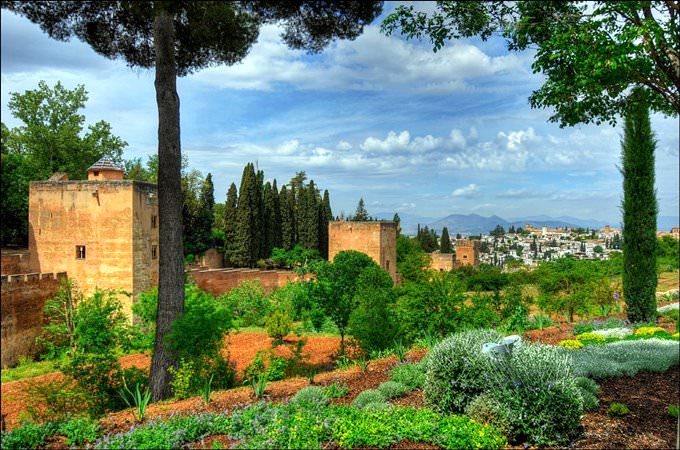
(446,241)
(639,214)
(325,216)
(245,248)
(258,231)
(308,224)
(230,220)
(397,220)
(287,218)
(276,201)
(269,219)
(360,214)
(205,216)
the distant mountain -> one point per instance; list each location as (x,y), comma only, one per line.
(467,224)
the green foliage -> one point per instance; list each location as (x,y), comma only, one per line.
(618,410)
(589,390)
(370,322)
(265,363)
(298,256)
(410,375)
(367,397)
(625,358)
(428,239)
(667,254)
(445,244)
(248,302)
(392,389)
(259,384)
(278,325)
(28,435)
(55,399)
(639,208)
(80,431)
(58,335)
(311,397)
(138,399)
(336,390)
(27,369)
(672,411)
(565,286)
(412,261)
(485,409)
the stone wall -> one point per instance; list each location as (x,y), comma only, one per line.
(23,299)
(467,252)
(14,261)
(442,261)
(220,281)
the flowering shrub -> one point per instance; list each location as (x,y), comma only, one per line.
(571,344)
(670,307)
(590,338)
(615,333)
(648,331)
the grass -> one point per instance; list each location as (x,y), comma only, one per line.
(27,369)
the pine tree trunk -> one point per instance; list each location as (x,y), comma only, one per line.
(171,264)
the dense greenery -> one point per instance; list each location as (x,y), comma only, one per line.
(51,139)
(639,214)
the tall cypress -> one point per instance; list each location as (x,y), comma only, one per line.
(360,214)
(308,224)
(258,231)
(325,216)
(277,214)
(245,248)
(269,219)
(445,246)
(639,214)
(204,217)
(230,220)
(287,219)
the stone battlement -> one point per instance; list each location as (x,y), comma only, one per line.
(25,278)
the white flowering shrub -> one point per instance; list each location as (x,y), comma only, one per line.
(670,307)
(618,333)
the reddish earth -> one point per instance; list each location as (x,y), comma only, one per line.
(647,395)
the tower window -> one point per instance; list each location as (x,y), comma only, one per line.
(80,252)
(154,251)
(96,173)
(154,221)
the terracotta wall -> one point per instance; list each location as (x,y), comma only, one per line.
(442,261)
(220,281)
(467,252)
(14,262)
(23,299)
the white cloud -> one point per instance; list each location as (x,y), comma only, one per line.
(469,191)
(344,145)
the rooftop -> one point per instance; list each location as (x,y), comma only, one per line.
(106,163)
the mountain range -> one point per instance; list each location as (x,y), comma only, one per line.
(467,224)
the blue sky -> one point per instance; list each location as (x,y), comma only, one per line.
(379,117)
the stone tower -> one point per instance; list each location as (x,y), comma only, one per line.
(376,239)
(102,231)
(467,252)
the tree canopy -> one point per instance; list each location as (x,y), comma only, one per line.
(591,53)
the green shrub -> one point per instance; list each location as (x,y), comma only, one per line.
(487,410)
(310,397)
(184,381)
(392,389)
(672,411)
(55,399)
(28,435)
(79,431)
(248,303)
(336,390)
(375,406)
(272,367)
(410,375)
(588,385)
(618,410)
(625,358)
(368,396)
(455,370)
(278,325)
(58,335)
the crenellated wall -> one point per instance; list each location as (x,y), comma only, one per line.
(15,261)
(23,299)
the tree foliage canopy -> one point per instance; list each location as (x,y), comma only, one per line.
(591,53)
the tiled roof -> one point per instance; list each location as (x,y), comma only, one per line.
(106,163)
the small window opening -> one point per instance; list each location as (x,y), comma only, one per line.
(80,252)
(96,173)
(154,251)
(154,221)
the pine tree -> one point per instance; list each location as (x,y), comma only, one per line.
(639,214)
(360,214)
(204,217)
(230,221)
(325,216)
(445,246)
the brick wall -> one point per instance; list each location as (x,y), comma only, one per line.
(23,299)
(442,261)
(220,281)
(14,262)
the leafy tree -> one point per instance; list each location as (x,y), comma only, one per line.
(590,53)
(335,286)
(445,243)
(58,335)
(205,216)
(191,188)
(428,239)
(668,254)
(639,215)
(497,232)
(360,214)
(412,261)
(51,139)
(177,39)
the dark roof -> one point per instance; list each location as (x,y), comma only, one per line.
(106,163)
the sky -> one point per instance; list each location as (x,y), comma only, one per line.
(409,130)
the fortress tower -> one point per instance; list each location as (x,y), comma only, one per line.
(467,252)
